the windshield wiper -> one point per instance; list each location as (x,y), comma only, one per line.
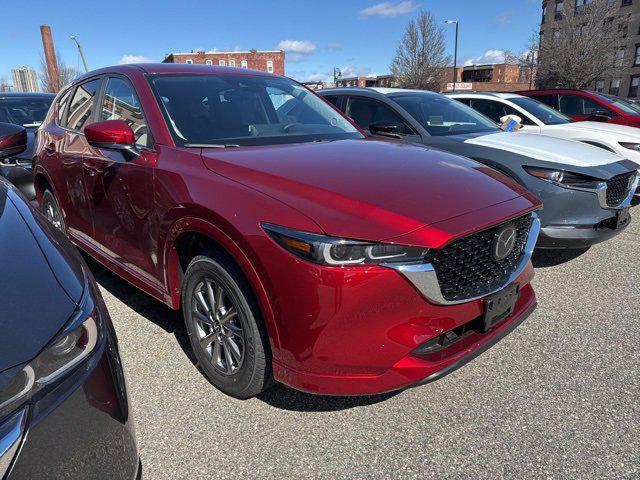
(211,145)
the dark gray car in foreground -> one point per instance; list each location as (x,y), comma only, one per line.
(64,411)
(586,190)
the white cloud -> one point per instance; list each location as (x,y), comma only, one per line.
(318,77)
(297,50)
(134,59)
(389,9)
(333,46)
(355,71)
(490,56)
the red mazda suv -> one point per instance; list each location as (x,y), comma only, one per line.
(584,105)
(297,249)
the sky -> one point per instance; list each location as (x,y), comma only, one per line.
(358,36)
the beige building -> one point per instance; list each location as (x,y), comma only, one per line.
(25,80)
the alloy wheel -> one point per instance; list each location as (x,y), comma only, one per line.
(218,326)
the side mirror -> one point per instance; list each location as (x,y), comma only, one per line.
(384,128)
(600,116)
(113,135)
(506,118)
(13,139)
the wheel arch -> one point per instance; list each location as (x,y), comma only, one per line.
(190,235)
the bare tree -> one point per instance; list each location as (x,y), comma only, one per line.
(421,57)
(4,85)
(583,49)
(65,75)
(527,60)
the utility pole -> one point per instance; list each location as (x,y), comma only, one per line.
(336,75)
(50,58)
(84,61)
(455,55)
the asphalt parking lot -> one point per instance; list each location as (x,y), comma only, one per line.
(557,398)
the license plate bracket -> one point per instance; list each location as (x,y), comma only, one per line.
(622,217)
(499,306)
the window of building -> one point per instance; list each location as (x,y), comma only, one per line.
(188,60)
(556,34)
(559,9)
(544,12)
(623,28)
(626,3)
(633,86)
(619,57)
(600,86)
(270,66)
(614,87)
(243,64)
(121,103)
(580,4)
(232,63)
(222,63)
(82,105)
(636,61)
(208,62)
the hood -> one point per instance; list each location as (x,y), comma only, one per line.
(547,149)
(368,189)
(39,292)
(621,133)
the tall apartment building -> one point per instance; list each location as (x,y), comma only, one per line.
(25,79)
(625,81)
(271,61)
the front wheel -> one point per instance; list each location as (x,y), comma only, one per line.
(51,210)
(225,327)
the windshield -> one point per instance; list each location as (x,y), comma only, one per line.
(25,111)
(542,112)
(440,115)
(626,107)
(237,110)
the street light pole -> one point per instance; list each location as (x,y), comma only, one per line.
(84,61)
(455,55)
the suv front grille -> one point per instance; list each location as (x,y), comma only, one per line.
(466,268)
(618,188)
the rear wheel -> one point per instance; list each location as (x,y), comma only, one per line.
(51,210)
(224,326)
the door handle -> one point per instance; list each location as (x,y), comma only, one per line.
(51,148)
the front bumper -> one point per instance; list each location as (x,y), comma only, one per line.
(355,330)
(574,218)
(81,429)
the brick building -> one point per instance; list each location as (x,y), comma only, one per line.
(498,77)
(625,80)
(267,61)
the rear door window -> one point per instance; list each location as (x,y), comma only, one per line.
(83,105)
(61,107)
(365,112)
(578,105)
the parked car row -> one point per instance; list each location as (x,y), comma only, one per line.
(337,254)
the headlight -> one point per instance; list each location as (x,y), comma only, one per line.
(57,359)
(631,146)
(325,250)
(562,177)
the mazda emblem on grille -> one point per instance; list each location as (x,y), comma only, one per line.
(503,242)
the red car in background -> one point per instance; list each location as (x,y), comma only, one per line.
(297,249)
(583,105)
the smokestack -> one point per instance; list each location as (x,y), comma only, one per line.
(50,57)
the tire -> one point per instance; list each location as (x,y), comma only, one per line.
(232,350)
(52,212)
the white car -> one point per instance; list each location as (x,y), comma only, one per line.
(536,117)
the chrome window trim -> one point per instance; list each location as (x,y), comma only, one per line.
(11,433)
(423,275)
